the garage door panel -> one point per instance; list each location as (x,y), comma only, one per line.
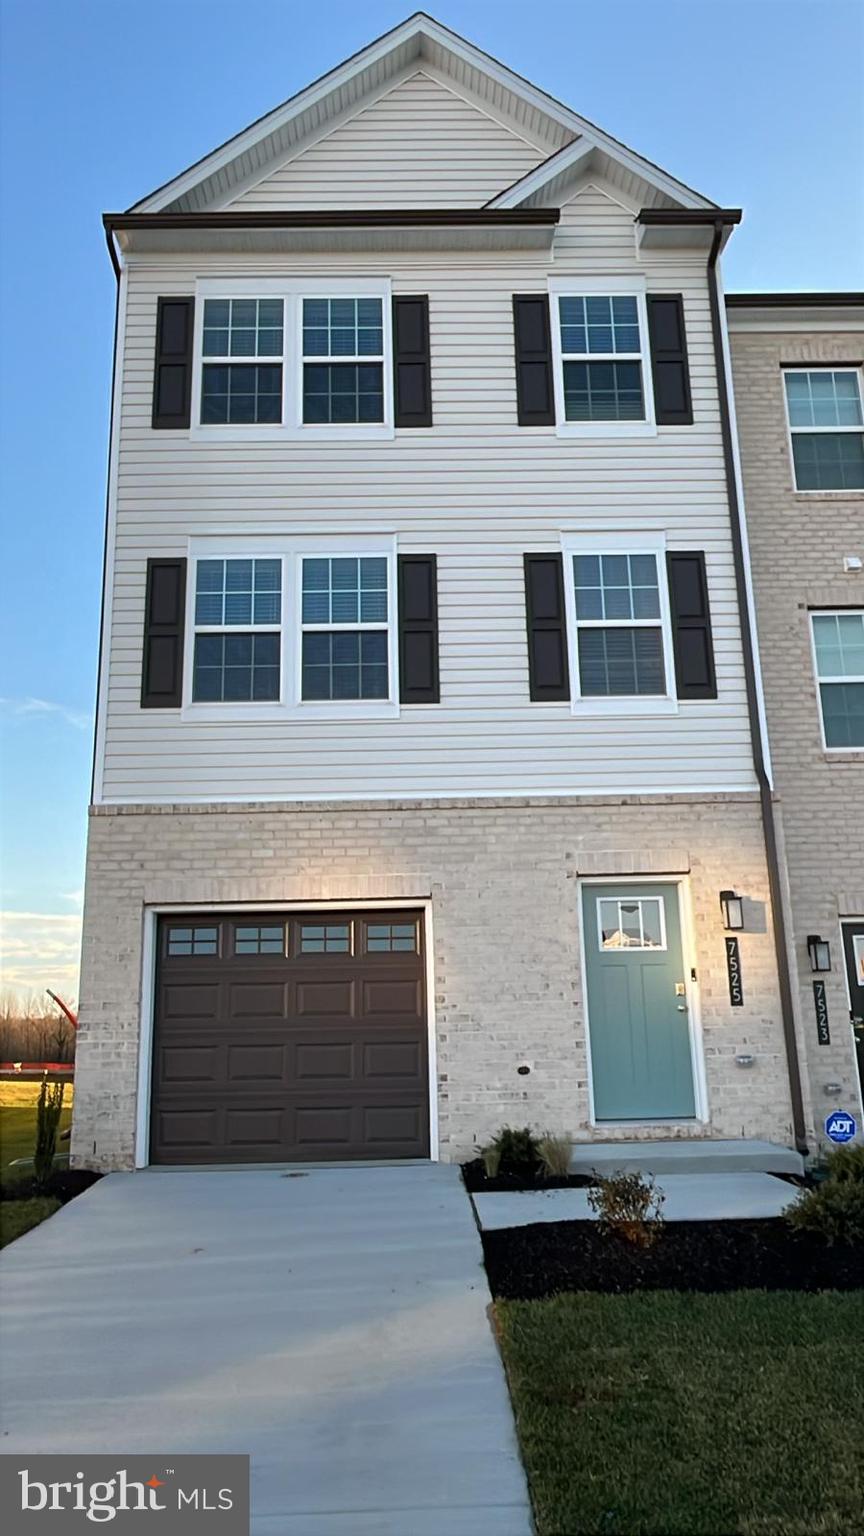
(323,1059)
(325,999)
(189,1000)
(189,1063)
(256,1000)
(260,1062)
(393,1059)
(299,1055)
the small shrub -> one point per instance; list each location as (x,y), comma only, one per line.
(48,1112)
(511,1151)
(554,1153)
(834,1210)
(628,1205)
(845,1165)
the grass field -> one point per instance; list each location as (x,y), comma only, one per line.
(672,1414)
(18,1119)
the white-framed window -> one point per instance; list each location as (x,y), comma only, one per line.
(619,624)
(241,364)
(344,618)
(343,360)
(602,358)
(238,622)
(291,626)
(838,654)
(293,357)
(826,428)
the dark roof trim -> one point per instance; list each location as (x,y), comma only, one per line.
(689,216)
(794,300)
(351,218)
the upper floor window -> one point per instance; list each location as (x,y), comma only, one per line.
(838,645)
(619,623)
(293,356)
(826,425)
(601,357)
(345,640)
(619,633)
(343,360)
(238,617)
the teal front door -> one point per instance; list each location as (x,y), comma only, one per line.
(641,1061)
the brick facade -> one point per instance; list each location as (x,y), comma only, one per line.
(797,544)
(502,878)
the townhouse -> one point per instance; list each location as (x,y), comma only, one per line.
(430,784)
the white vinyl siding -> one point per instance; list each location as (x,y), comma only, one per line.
(476,490)
(419,146)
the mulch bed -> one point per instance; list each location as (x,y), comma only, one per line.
(477,1181)
(527,1263)
(63,1185)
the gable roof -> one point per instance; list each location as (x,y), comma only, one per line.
(343,91)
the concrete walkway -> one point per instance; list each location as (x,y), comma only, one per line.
(689,1197)
(331,1324)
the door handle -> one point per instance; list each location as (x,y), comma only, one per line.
(682,1007)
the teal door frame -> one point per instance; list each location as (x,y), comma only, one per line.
(636,884)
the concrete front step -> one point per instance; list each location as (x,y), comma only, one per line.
(687,1155)
(689,1197)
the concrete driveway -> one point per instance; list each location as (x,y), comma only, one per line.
(332,1324)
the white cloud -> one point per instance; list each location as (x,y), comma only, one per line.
(39,950)
(34,708)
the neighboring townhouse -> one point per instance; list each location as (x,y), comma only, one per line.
(429,790)
(797,362)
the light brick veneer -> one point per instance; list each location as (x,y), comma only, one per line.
(503,880)
(797,545)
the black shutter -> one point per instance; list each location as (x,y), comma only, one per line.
(535,392)
(164,613)
(691,626)
(547,627)
(418,629)
(412,382)
(673,406)
(172,373)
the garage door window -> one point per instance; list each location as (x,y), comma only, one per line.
(384,938)
(193,941)
(325,938)
(268,940)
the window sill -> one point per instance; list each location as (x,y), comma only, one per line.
(375,432)
(851,495)
(281,714)
(597,709)
(608,429)
(843,754)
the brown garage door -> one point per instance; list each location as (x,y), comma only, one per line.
(283,1037)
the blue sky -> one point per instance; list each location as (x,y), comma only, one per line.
(757,104)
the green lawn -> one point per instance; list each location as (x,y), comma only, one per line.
(18,1131)
(18,1216)
(667,1414)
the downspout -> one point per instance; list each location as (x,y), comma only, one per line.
(109,237)
(775,884)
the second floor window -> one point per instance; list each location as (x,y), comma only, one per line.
(601,357)
(838,645)
(343,360)
(345,628)
(238,617)
(620,649)
(241,376)
(826,425)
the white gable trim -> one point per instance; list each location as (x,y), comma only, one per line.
(562,160)
(418,40)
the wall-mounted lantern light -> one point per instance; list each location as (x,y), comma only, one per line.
(733,910)
(819,951)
